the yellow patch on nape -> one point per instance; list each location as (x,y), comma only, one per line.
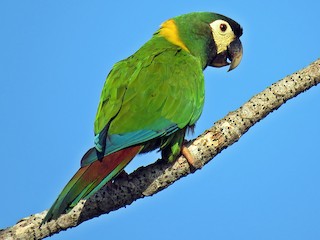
(170,32)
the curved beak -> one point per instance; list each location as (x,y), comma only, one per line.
(233,54)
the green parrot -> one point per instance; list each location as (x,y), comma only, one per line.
(152,98)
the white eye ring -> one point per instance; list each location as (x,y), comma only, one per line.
(222,34)
(221,27)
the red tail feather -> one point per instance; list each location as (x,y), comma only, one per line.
(115,162)
(89,179)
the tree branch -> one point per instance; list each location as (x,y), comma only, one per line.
(149,180)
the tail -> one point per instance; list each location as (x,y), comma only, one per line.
(89,179)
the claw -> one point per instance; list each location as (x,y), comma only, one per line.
(195,163)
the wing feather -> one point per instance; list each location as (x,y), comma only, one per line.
(150,96)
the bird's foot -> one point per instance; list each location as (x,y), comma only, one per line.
(194,163)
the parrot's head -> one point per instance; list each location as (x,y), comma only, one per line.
(212,37)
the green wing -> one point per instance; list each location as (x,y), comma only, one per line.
(148,96)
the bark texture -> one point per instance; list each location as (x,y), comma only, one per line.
(151,179)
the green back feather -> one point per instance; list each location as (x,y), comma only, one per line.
(160,81)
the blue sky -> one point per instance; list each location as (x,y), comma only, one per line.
(54,58)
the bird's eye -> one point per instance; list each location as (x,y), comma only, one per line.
(223,27)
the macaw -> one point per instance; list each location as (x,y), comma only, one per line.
(152,98)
